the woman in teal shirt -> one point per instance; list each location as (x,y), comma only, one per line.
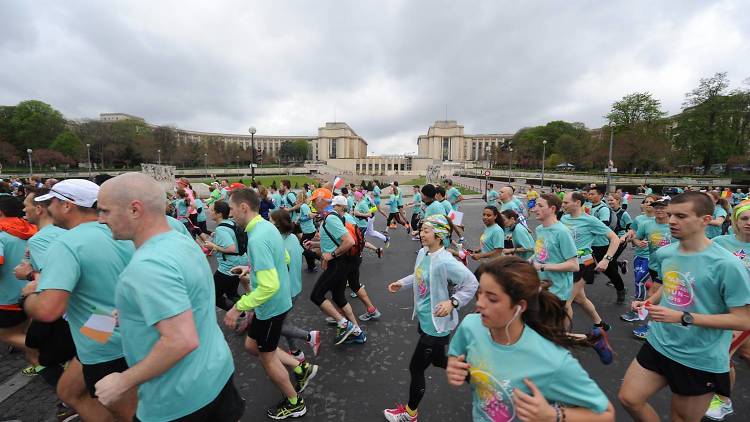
(522,242)
(493,238)
(721,212)
(509,327)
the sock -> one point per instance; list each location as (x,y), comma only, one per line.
(298,371)
(600,324)
(411,413)
(293,400)
(357,331)
(371,310)
(343,322)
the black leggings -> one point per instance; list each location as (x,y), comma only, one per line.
(394,216)
(353,277)
(226,285)
(611,272)
(332,280)
(429,350)
(308,254)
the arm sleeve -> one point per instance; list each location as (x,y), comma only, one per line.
(597,227)
(268,285)
(407,281)
(735,285)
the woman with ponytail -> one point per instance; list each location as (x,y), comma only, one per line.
(514,353)
(721,213)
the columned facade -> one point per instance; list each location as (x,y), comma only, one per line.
(446,141)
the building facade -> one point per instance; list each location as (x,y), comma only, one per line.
(446,141)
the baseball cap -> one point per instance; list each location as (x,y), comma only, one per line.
(322,193)
(339,200)
(81,192)
(236,185)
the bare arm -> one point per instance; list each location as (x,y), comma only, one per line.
(46,306)
(569,266)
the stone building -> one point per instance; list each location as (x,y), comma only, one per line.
(446,141)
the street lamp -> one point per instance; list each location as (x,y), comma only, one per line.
(510,164)
(252,146)
(158,154)
(237,157)
(88,153)
(487,158)
(544,155)
(31,169)
(205,163)
(609,161)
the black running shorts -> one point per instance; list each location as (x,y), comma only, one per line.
(93,373)
(266,332)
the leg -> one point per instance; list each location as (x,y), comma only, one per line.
(579,296)
(689,408)
(420,360)
(639,385)
(277,372)
(291,332)
(16,336)
(71,389)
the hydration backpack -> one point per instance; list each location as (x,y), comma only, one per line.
(359,240)
(240,236)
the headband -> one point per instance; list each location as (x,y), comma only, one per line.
(439,224)
(740,208)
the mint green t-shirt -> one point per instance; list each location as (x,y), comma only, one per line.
(336,227)
(417,201)
(168,276)
(305,219)
(393,204)
(708,282)
(202,214)
(294,249)
(492,238)
(424,303)
(584,230)
(265,246)
(511,205)
(224,237)
(276,198)
(713,231)
(452,196)
(736,247)
(554,245)
(88,263)
(13,251)
(625,222)
(657,235)
(601,212)
(177,226)
(492,196)
(497,369)
(350,202)
(376,192)
(363,207)
(435,208)
(447,206)
(637,222)
(39,243)
(521,237)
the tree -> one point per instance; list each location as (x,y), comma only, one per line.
(8,153)
(68,144)
(35,124)
(635,109)
(47,158)
(294,150)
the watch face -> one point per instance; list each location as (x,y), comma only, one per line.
(687,318)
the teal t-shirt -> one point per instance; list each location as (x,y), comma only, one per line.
(199,205)
(181,207)
(492,198)
(492,238)
(554,245)
(417,201)
(294,249)
(558,375)
(648,191)
(452,196)
(584,230)
(305,219)
(637,222)
(363,207)
(177,226)
(336,227)
(265,248)
(521,237)
(736,247)
(713,231)
(224,237)
(657,235)
(625,221)
(708,282)
(424,304)
(88,263)
(393,204)
(511,205)
(350,218)
(601,212)
(276,198)
(289,200)
(13,251)
(168,276)
(435,208)
(39,243)
(376,192)
(447,206)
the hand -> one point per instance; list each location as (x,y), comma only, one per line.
(23,270)
(110,388)
(307,244)
(636,305)
(640,243)
(230,319)
(474,256)
(210,245)
(664,314)
(30,287)
(532,407)
(327,256)
(602,265)
(536,265)
(240,270)
(443,308)
(324,264)
(394,287)
(457,370)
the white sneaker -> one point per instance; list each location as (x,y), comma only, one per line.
(719,409)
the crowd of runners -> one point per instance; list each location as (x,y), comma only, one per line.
(106,286)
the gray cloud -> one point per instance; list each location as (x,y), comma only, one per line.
(386,68)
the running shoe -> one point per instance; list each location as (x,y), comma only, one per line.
(32,370)
(719,409)
(602,347)
(301,380)
(285,409)
(387,240)
(342,333)
(360,338)
(379,251)
(299,355)
(314,341)
(641,332)
(65,413)
(399,414)
(623,266)
(630,316)
(331,321)
(367,316)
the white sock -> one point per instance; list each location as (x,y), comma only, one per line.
(357,331)
(343,322)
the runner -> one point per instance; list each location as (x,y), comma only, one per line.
(440,197)
(362,217)
(492,239)
(521,241)
(508,201)
(600,244)
(289,199)
(435,275)
(177,356)
(621,226)
(519,322)
(417,211)
(394,213)
(270,300)
(452,194)
(307,226)
(706,291)
(227,247)
(492,195)
(640,261)
(433,206)
(531,196)
(721,212)
(358,290)
(79,279)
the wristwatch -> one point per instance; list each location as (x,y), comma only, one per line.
(608,258)
(541,268)
(454,302)
(687,319)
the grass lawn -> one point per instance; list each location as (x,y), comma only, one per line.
(465,191)
(421,181)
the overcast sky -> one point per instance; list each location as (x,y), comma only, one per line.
(387,68)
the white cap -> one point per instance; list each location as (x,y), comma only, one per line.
(81,192)
(339,200)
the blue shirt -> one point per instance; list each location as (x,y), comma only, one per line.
(447,206)
(294,249)
(435,208)
(657,235)
(637,222)
(265,248)
(452,196)
(554,245)
(178,226)
(601,212)
(713,231)
(417,201)
(363,207)
(492,238)
(521,237)
(492,198)
(199,205)
(736,247)
(13,250)
(497,369)
(39,243)
(168,276)
(305,219)
(336,228)
(224,237)
(584,230)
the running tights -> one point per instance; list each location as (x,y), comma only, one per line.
(308,254)
(430,351)
(612,271)
(226,290)
(640,274)
(333,280)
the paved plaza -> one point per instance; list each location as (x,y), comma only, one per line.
(356,382)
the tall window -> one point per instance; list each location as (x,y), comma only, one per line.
(332,151)
(446,148)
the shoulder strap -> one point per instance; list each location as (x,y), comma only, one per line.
(329,233)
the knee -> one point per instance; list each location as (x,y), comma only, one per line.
(628,400)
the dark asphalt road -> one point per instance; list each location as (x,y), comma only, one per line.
(356,382)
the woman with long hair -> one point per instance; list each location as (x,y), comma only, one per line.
(492,239)
(721,213)
(521,241)
(519,322)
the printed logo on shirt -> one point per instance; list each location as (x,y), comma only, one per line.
(741,254)
(678,288)
(540,250)
(659,239)
(421,283)
(495,397)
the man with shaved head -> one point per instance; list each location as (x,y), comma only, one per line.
(176,353)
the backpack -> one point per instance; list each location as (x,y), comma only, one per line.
(241,239)
(615,218)
(725,225)
(359,240)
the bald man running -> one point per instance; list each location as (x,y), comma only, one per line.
(176,353)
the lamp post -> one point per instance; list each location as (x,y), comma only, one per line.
(609,160)
(31,169)
(252,146)
(205,163)
(88,153)
(237,157)
(510,164)
(544,155)
(158,154)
